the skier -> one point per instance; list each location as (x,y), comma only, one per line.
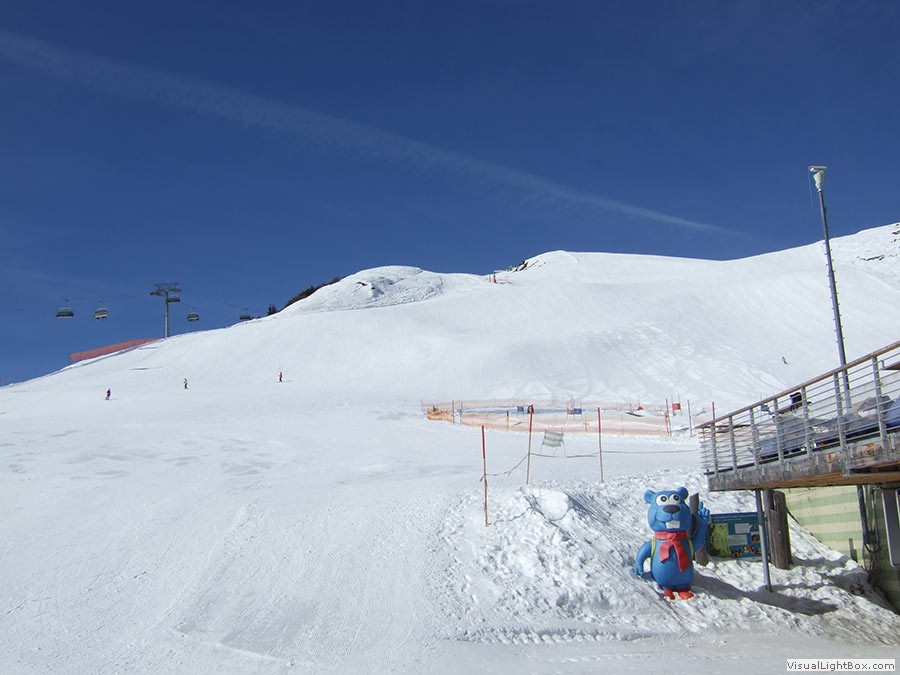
(280,376)
(108,393)
(185,383)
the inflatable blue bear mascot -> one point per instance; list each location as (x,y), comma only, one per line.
(671,550)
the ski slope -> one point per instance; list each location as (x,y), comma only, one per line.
(323,525)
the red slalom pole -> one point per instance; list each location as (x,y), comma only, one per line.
(484,474)
(530,422)
(600,442)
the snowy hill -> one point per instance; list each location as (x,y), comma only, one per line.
(321,524)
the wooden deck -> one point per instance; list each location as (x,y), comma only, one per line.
(842,428)
(858,462)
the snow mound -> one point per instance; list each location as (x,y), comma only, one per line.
(377,287)
(555,566)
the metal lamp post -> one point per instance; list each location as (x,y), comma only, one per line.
(818,173)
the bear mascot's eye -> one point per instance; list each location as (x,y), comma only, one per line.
(662,499)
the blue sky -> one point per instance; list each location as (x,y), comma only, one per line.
(250,150)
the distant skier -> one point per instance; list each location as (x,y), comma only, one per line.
(108,393)
(280,376)
(784,360)
(185,383)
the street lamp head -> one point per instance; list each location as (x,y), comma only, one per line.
(818,173)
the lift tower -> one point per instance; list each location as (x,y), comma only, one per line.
(170,292)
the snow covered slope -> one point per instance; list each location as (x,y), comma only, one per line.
(322,525)
(582,325)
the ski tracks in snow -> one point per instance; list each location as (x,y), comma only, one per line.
(329,590)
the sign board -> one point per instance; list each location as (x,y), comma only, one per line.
(734,535)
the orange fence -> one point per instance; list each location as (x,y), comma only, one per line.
(619,418)
(108,349)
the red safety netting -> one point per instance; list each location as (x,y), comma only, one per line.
(108,349)
(627,418)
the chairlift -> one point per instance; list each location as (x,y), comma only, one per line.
(65,312)
(101,313)
(245,316)
(193,315)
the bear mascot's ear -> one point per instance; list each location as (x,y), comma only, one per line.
(649,496)
(682,491)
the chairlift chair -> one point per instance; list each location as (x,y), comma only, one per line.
(65,312)
(245,316)
(193,316)
(101,313)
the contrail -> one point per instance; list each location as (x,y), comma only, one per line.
(327,131)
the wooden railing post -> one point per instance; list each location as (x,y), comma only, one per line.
(779,539)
